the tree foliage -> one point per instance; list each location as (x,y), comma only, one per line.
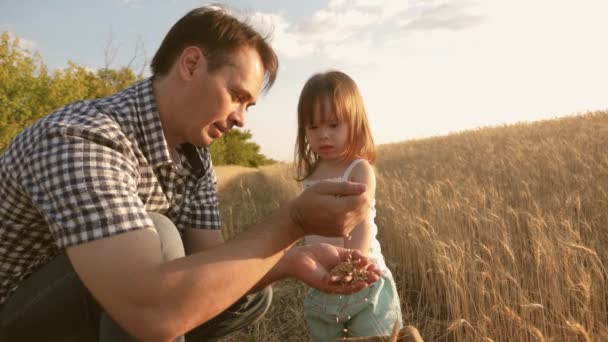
(29,91)
(235,149)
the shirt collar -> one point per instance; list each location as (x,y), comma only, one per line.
(151,135)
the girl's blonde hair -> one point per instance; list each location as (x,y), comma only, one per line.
(347,105)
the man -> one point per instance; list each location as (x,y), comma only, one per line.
(109,223)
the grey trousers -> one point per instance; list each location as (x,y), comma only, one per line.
(52,304)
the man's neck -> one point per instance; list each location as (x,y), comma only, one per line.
(162,94)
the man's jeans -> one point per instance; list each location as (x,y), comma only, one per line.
(53,305)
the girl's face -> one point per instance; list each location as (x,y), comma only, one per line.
(326,136)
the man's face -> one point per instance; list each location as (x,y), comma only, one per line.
(219,100)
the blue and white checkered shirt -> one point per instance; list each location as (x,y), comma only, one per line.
(91,170)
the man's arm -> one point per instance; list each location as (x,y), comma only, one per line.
(153,300)
(198,240)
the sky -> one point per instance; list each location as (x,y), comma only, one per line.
(424,67)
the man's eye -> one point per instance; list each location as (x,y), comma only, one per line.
(237,97)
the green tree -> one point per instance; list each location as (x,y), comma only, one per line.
(234,148)
(23,86)
(28,91)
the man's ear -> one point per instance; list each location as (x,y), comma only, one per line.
(190,59)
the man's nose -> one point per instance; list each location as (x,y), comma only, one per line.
(237,117)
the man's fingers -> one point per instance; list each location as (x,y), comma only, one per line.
(372,277)
(335,279)
(353,201)
(355,207)
(354,255)
(330,208)
(340,188)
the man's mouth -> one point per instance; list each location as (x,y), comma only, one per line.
(216,131)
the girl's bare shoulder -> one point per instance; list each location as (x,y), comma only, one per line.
(364,172)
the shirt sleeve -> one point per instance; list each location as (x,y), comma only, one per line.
(85,186)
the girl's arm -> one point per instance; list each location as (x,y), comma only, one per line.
(360,236)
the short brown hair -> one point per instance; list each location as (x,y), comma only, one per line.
(219,35)
(347,105)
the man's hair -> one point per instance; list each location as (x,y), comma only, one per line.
(347,106)
(219,35)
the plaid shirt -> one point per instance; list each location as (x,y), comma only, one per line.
(94,169)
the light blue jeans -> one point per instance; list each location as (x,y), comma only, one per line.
(53,305)
(369,312)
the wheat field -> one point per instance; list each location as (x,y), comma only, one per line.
(494,234)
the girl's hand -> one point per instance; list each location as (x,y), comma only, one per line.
(312,264)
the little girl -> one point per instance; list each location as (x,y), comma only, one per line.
(334,143)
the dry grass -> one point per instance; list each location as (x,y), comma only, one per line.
(496,234)
(407,334)
(226,174)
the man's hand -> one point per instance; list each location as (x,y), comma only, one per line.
(312,264)
(330,208)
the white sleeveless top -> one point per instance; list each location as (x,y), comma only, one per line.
(375,253)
